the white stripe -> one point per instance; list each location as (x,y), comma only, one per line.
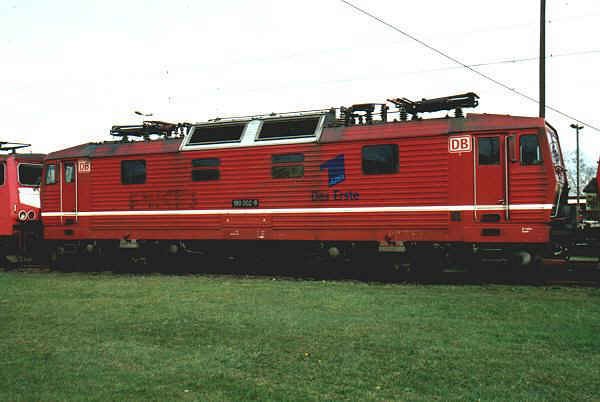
(258,211)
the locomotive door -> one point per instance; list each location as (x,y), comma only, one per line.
(68,187)
(491,179)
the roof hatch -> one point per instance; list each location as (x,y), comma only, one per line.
(264,130)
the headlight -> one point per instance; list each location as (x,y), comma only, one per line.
(22,216)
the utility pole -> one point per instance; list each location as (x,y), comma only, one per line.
(577,127)
(542,58)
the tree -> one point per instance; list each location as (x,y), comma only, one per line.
(587,171)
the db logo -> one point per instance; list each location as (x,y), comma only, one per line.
(84,166)
(460,144)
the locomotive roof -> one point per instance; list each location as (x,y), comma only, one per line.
(473,122)
(37,157)
(117,148)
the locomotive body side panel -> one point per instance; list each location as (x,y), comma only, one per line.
(387,183)
(170,205)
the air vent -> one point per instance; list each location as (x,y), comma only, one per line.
(490,232)
(455,216)
(490,218)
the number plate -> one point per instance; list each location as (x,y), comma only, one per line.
(244,203)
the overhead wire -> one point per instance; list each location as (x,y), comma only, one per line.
(438,69)
(466,66)
(506,61)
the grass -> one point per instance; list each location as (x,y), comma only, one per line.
(110,337)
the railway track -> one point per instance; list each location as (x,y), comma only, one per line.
(553,273)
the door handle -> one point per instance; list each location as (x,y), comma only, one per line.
(501,202)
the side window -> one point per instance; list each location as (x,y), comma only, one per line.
(380,159)
(1,173)
(69,172)
(51,174)
(489,151)
(133,172)
(287,166)
(531,153)
(206,169)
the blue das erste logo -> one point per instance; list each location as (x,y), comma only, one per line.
(335,169)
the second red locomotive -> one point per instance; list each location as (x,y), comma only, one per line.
(20,177)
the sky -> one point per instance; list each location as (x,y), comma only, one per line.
(70,70)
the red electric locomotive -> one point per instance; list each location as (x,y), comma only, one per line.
(338,179)
(591,213)
(20,176)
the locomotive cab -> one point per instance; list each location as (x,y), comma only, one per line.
(560,211)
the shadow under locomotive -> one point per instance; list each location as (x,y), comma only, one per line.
(363,264)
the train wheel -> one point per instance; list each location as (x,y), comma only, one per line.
(390,267)
(522,265)
(12,261)
(63,263)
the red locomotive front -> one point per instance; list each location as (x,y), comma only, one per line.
(20,176)
(480,180)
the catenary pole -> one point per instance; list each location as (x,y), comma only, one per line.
(542,58)
(577,127)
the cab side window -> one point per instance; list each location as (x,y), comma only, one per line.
(531,153)
(1,173)
(69,172)
(489,151)
(51,174)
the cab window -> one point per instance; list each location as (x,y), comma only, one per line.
(69,172)
(30,174)
(489,151)
(531,153)
(51,174)
(1,173)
